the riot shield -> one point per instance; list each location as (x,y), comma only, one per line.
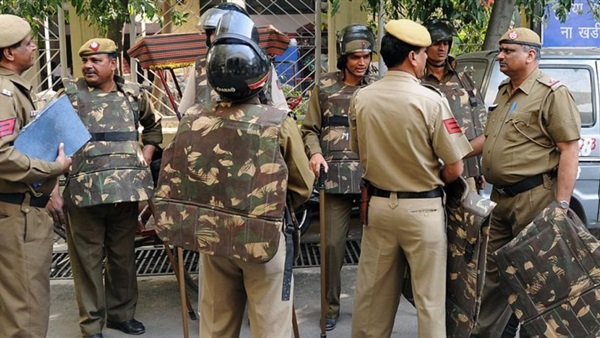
(550,274)
(468,232)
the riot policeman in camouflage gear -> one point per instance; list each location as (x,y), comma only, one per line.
(465,100)
(197,89)
(110,175)
(326,138)
(223,187)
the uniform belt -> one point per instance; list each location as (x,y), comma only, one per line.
(18,198)
(114,136)
(524,185)
(437,192)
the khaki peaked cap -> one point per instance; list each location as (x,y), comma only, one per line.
(521,36)
(409,32)
(98,46)
(13,29)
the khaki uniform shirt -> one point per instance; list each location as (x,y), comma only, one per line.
(401,130)
(300,177)
(516,146)
(18,172)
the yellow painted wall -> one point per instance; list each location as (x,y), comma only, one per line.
(349,12)
(81,31)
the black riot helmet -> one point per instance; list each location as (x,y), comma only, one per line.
(440,30)
(210,19)
(351,39)
(236,67)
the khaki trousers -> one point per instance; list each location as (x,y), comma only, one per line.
(401,233)
(25,258)
(95,231)
(228,284)
(511,215)
(337,220)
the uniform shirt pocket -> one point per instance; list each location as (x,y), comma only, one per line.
(522,126)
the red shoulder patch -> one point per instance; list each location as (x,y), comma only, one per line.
(452,126)
(7,127)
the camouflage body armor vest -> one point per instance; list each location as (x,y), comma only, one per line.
(223,182)
(468,109)
(110,168)
(345,172)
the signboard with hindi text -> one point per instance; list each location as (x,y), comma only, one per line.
(579,30)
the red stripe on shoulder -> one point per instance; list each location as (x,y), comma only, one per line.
(7,127)
(452,126)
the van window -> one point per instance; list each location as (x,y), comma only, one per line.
(579,82)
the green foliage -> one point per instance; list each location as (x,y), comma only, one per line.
(104,14)
(469,17)
(560,8)
(31,10)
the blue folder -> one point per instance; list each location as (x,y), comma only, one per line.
(57,122)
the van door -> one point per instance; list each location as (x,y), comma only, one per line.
(581,77)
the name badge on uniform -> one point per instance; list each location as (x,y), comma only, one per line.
(6,92)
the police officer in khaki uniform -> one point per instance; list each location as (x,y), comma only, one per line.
(530,155)
(110,175)
(326,139)
(25,186)
(401,131)
(465,100)
(251,161)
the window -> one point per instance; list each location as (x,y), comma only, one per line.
(579,82)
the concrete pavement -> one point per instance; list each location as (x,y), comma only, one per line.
(159,308)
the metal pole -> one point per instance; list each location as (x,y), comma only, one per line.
(322,251)
(380,32)
(62,42)
(47,53)
(133,75)
(318,41)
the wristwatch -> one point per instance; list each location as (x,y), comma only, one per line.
(563,204)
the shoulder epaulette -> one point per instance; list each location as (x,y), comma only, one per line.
(552,83)
(432,87)
(8,88)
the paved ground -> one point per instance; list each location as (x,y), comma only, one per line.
(159,304)
(159,308)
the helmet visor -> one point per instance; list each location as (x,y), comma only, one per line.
(210,19)
(238,24)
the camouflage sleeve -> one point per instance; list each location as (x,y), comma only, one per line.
(352,124)
(150,120)
(300,177)
(311,126)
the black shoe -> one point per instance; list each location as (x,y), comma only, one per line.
(97,335)
(330,323)
(131,326)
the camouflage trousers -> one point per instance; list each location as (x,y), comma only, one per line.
(511,216)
